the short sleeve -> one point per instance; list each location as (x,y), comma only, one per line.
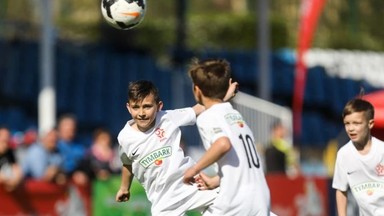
(210,130)
(340,181)
(182,117)
(123,157)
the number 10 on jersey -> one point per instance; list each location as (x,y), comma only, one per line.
(250,150)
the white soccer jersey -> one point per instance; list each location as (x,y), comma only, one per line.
(159,163)
(363,174)
(243,188)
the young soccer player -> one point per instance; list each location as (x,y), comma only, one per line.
(150,150)
(360,163)
(229,143)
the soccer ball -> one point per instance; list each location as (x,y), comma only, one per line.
(123,14)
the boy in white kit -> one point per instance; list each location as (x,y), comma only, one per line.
(150,151)
(229,143)
(360,163)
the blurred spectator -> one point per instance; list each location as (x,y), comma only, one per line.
(101,158)
(42,160)
(10,171)
(100,161)
(312,162)
(280,155)
(71,151)
(22,145)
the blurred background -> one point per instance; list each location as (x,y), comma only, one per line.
(67,46)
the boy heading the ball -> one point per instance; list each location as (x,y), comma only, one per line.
(150,150)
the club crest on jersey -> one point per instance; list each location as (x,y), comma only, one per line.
(380,169)
(156,157)
(159,132)
(234,118)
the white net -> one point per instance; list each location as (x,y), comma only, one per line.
(260,114)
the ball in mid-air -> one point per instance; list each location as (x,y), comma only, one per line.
(123,14)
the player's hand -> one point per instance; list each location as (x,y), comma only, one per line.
(232,90)
(205,182)
(189,176)
(122,195)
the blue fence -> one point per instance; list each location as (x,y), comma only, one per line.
(92,81)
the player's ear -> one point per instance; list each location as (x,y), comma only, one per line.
(196,90)
(371,123)
(195,87)
(160,105)
(128,108)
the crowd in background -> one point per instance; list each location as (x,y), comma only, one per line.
(59,156)
(56,155)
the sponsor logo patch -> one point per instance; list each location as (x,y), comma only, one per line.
(234,118)
(156,157)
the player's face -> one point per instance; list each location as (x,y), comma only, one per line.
(358,127)
(144,112)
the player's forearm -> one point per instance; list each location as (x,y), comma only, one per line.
(341,202)
(231,91)
(218,149)
(126,177)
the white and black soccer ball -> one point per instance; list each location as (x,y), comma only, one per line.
(123,14)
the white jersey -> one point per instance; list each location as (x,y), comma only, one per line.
(159,163)
(363,174)
(243,188)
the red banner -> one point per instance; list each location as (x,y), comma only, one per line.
(310,12)
(299,196)
(41,198)
(289,197)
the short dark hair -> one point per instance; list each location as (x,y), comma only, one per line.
(138,90)
(211,76)
(359,105)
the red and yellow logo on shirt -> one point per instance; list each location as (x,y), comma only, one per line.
(156,157)
(368,188)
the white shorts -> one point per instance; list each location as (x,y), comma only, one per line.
(245,204)
(197,201)
(208,213)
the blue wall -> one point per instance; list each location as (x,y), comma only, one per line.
(92,81)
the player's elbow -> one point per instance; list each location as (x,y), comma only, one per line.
(224,145)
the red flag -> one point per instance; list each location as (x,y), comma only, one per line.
(310,12)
